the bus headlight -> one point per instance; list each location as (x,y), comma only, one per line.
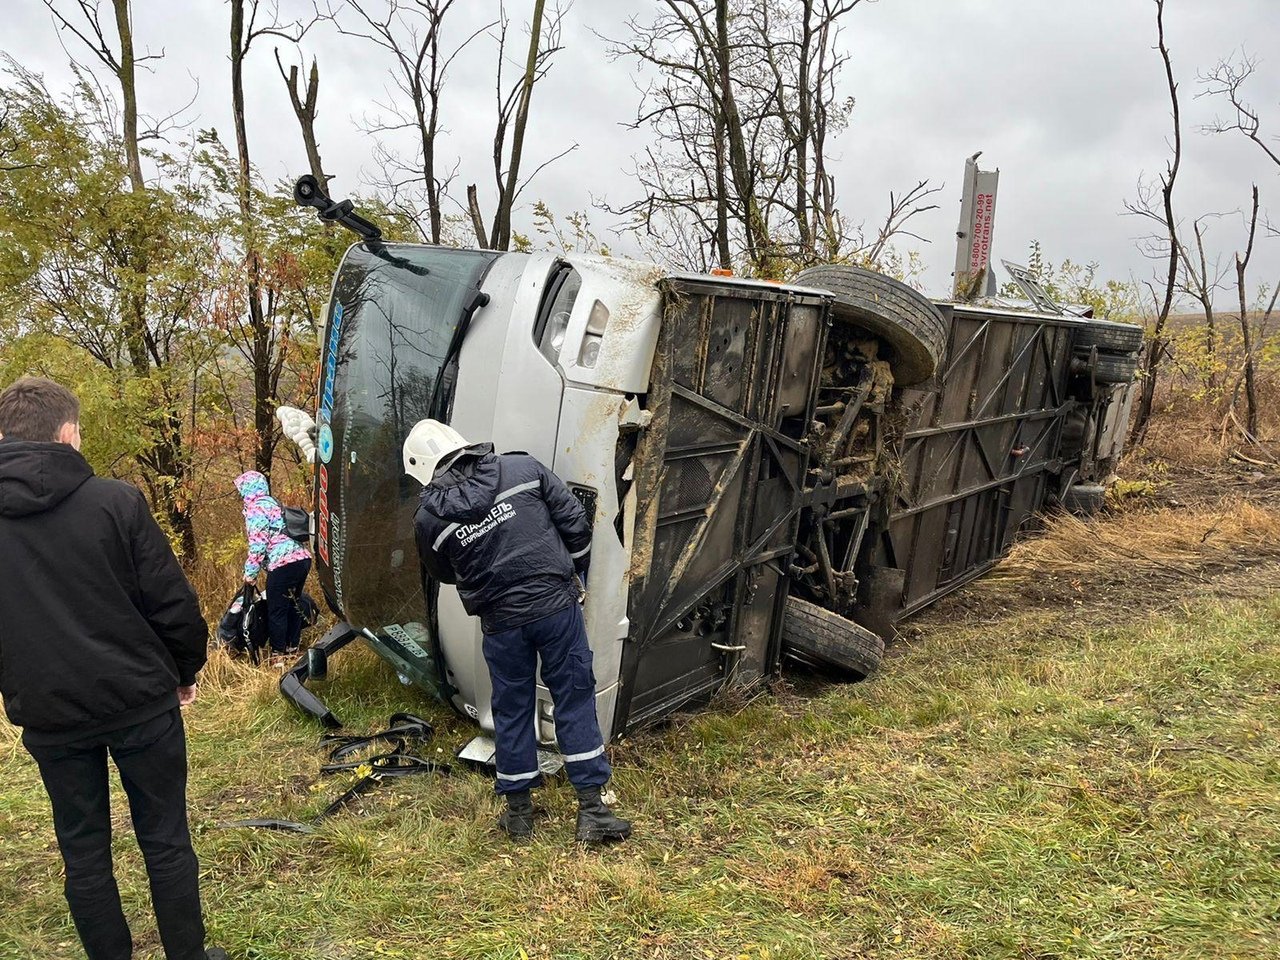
(589,352)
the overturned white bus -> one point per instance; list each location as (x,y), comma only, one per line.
(770,469)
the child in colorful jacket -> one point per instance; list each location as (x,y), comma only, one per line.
(287,562)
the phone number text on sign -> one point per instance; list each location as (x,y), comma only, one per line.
(984,209)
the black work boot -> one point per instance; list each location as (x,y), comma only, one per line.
(215,953)
(517,819)
(596,822)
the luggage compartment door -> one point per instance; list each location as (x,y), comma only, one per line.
(979,451)
(719,475)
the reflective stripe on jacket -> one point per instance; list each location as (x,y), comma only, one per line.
(508,532)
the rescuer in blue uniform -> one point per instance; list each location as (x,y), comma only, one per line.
(517,544)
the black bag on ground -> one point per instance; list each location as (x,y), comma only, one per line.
(256,627)
(231,626)
(244,628)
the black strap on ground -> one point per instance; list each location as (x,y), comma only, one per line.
(361,786)
(404,727)
(398,762)
(284,826)
(394,764)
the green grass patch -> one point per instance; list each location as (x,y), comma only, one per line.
(1023,790)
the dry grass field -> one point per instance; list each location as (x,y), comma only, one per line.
(1072,758)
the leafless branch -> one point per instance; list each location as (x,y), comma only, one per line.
(90,32)
(1246,331)
(1168,180)
(1227,80)
(409,35)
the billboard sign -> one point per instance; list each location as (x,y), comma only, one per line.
(973,276)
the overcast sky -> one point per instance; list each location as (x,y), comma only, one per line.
(1066,97)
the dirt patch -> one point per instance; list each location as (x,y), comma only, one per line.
(1089,604)
(1214,532)
(1241,476)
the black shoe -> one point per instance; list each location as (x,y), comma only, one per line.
(596,822)
(216,953)
(517,819)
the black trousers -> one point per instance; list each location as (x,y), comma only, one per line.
(284,616)
(152,760)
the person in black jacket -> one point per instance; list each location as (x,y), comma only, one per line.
(101,638)
(517,543)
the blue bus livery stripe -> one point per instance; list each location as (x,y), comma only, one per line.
(331,361)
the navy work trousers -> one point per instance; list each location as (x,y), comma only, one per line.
(561,642)
(284,615)
(152,760)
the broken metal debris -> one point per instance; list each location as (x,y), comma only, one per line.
(406,733)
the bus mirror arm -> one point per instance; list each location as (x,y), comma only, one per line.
(307,193)
(314,665)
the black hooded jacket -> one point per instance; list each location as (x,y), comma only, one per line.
(98,624)
(508,532)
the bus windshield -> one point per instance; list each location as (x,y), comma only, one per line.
(393,315)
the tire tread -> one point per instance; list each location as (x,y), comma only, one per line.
(906,320)
(814,634)
(1115,367)
(1109,336)
(1084,499)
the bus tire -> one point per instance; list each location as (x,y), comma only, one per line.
(1111,368)
(1084,499)
(818,637)
(1108,337)
(913,331)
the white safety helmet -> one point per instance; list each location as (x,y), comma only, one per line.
(429,442)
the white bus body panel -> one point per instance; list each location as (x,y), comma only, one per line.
(509,392)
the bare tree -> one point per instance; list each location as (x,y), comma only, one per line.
(506,196)
(89,30)
(805,60)
(1202,280)
(1163,215)
(513,104)
(262,338)
(1246,330)
(700,177)
(303,101)
(410,34)
(743,99)
(1227,80)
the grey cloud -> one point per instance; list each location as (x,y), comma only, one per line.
(1067,99)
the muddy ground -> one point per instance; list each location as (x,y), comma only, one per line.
(1158,577)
